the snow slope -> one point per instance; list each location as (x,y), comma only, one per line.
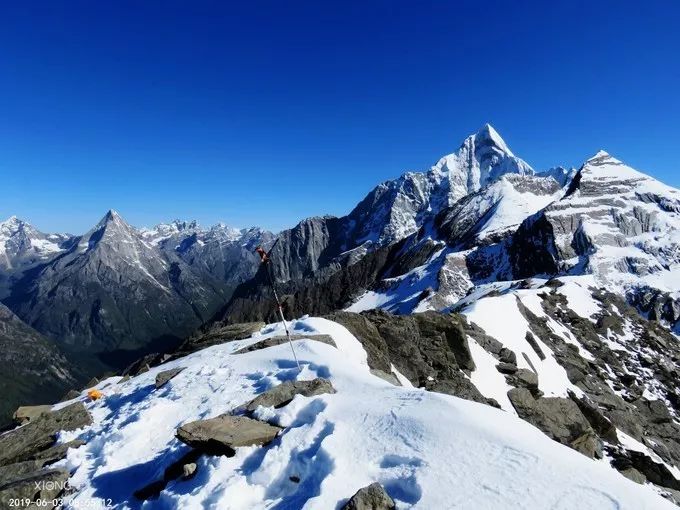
(429,450)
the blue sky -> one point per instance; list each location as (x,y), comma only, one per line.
(270,112)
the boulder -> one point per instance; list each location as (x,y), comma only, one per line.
(282,339)
(163,377)
(40,433)
(558,418)
(524,378)
(588,444)
(70,395)
(25,414)
(43,486)
(221,435)
(506,368)
(282,394)
(372,497)
(633,474)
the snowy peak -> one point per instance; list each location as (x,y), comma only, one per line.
(482,159)
(487,136)
(21,245)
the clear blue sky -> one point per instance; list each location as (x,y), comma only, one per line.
(266,112)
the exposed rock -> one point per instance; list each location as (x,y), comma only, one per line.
(534,345)
(280,395)
(430,349)
(143,364)
(372,497)
(367,333)
(70,395)
(390,378)
(220,435)
(523,378)
(559,418)
(26,413)
(653,471)
(40,433)
(18,470)
(56,453)
(216,335)
(278,340)
(597,420)
(633,474)
(185,467)
(589,445)
(45,486)
(163,377)
(506,368)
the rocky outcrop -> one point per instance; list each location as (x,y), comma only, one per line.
(221,435)
(40,433)
(372,497)
(162,378)
(217,334)
(282,339)
(430,349)
(24,414)
(280,395)
(558,418)
(42,486)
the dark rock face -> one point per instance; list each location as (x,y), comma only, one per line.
(39,434)
(221,435)
(34,370)
(559,418)
(282,394)
(429,349)
(372,497)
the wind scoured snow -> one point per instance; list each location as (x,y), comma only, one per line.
(500,317)
(429,451)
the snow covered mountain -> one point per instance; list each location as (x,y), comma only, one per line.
(427,449)
(119,288)
(23,247)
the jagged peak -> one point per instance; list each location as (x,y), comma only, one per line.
(111,218)
(487,135)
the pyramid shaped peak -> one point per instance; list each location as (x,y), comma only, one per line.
(488,136)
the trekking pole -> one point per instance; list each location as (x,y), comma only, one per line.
(264,256)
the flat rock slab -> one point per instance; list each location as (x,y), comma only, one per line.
(282,339)
(27,413)
(282,394)
(372,497)
(163,377)
(221,435)
(40,433)
(43,486)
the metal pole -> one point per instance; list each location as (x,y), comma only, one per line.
(265,261)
